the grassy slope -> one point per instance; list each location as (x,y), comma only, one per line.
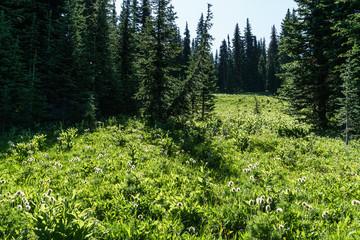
(129,180)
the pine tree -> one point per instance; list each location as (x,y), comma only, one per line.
(238,59)
(262,62)
(157,61)
(273,66)
(199,33)
(127,58)
(223,67)
(186,53)
(349,112)
(145,12)
(201,82)
(312,83)
(251,61)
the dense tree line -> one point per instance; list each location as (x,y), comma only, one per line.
(77,61)
(319,52)
(246,65)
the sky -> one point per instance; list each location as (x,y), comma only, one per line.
(262,14)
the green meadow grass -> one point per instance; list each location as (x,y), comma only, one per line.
(249,172)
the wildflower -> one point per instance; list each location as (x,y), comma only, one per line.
(233,190)
(52,199)
(187,162)
(140,217)
(304,204)
(133,167)
(19,193)
(325,213)
(269,200)
(251,202)
(19,207)
(48,180)
(31,159)
(259,201)
(281,227)
(191,230)
(2,182)
(231,183)
(135,205)
(180,204)
(30,152)
(268,208)
(98,170)
(108,160)
(309,207)
(49,192)
(355,202)
(246,170)
(250,166)
(45,155)
(252,178)
(279,210)
(238,190)
(27,207)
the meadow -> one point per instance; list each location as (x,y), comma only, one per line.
(250,171)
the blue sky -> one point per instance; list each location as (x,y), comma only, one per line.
(261,13)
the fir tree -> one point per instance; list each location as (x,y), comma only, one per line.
(273,66)
(201,82)
(157,61)
(223,67)
(238,59)
(312,83)
(127,58)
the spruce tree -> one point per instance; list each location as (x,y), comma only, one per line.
(251,62)
(127,57)
(312,83)
(156,61)
(201,82)
(238,59)
(349,112)
(223,67)
(273,66)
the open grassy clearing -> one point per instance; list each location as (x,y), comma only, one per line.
(249,172)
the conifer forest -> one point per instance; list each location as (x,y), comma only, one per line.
(114,124)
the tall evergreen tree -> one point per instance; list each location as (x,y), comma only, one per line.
(311,83)
(223,67)
(186,53)
(157,61)
(349,112)
(238,59)
(127,57)
(202,81)
(273,66)
(251,61)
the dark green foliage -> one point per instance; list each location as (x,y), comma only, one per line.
(156,61)
(127,57)
(349,113)
(238,60)
(273,66)
(223,67)
(312,83)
